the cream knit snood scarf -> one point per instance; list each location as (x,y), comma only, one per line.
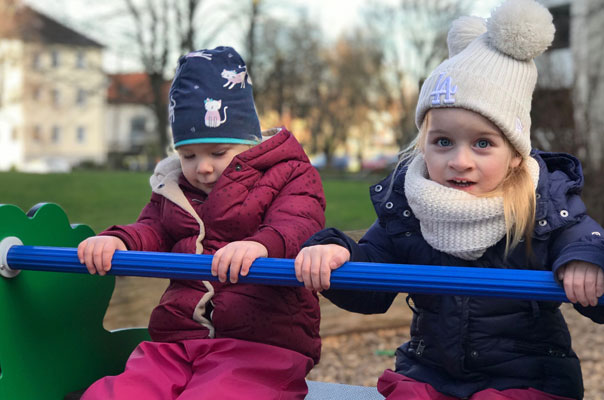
(453,221)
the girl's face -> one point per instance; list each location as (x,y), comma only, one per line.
(464,150)
(203,163)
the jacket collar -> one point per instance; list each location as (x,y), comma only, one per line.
(560,178)
(278,146)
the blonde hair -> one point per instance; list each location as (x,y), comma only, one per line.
(517,190)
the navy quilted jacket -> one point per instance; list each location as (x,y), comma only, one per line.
(460,344)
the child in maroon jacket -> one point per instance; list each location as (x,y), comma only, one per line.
(234,195)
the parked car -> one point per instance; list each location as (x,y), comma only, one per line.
(341,163)
(380,162)
(46,165)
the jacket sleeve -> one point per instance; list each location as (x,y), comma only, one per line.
(374,246)
(582,241)
(295,214)
(147,233)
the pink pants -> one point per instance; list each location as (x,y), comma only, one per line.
(207,369)
(395,386)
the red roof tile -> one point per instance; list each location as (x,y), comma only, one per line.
(133,88)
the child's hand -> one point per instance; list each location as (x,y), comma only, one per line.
(97,251)
(235,257)
(583,282)
(313,264)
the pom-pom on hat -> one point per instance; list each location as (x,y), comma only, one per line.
(211,99)
(490,69)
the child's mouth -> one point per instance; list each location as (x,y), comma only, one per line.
(460,183)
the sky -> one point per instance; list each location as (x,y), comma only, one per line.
(90,16)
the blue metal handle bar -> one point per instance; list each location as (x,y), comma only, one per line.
(407,278)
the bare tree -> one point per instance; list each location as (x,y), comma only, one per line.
(163,30)
(332,87)
(288,66)
(153,39)
(347,93)
(254,15)
(587,46)
(413,34)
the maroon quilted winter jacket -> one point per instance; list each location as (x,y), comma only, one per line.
(269,194)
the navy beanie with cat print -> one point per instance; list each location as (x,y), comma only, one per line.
(211,99)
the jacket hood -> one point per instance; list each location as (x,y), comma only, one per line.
(166,170)
(280,146)
(560,183)
(260,157)
(164,181)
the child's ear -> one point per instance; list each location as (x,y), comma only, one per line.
(515,161)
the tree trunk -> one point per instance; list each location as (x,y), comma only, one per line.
(160,109)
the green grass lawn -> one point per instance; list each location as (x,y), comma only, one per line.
(100,198)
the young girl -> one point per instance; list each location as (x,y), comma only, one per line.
(229,194)
(471,192)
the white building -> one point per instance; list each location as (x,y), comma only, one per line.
(52,93)
(130,120)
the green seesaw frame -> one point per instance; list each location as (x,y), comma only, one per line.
(52,340)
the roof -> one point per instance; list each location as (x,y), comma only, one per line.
(25,23)
(132,88)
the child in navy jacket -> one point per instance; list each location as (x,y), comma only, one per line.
(471,192)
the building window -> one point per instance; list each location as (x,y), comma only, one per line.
(56,134)
(37,93)
(36,134)
(81,97)
(561,17)
(81,134)
(37,61)
(55,58)
(56,97)
(80,59)
(138,130)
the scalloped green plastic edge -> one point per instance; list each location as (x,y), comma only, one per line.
(52,339)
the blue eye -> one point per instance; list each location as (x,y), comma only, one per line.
(482,144)
(444,142)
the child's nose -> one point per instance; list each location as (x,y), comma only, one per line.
(204,167)
(462,159)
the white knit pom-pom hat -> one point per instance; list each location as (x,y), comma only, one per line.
(490,69)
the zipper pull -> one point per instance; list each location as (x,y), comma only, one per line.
(420,348)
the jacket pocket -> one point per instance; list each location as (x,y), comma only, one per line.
(540,350)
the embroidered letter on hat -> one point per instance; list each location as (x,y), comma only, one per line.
(443,87)
(518,126)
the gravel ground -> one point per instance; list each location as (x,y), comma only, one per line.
(358,348)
